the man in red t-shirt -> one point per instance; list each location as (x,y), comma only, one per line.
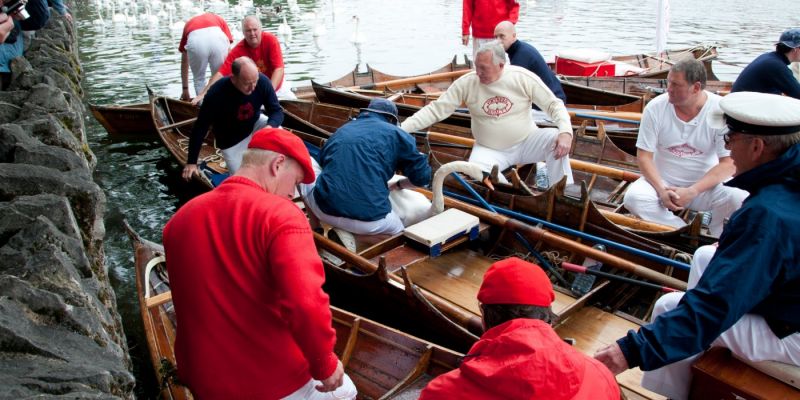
(204,43)
(520,356)
(263,48)
(253,321)
(483,16)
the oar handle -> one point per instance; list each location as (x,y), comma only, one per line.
(568,266)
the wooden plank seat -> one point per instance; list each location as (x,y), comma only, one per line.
(717,374)
(443,228)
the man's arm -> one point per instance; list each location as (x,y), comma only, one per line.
(648,169)
(276,78)
(199,132)
(199,98)
(6,26)
(544,98)
(513,13)
(466,20)
(185,76)
(788,84)
(413,163)
(272,107)
(716,175)
(437,110)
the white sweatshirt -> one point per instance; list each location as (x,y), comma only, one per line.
(501,110)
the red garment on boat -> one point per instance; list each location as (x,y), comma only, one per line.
(201,21)
(484,15)
(267,56)
(252,319)
(524,359)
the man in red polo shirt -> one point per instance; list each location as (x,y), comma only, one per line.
(253,321)
(263,48)
(204,43)
(520,356)
(483,16)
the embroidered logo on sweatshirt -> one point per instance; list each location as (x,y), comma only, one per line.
(684,150)
(497,106)
(245,112)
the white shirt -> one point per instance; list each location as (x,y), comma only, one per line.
(682,151)
(500,111)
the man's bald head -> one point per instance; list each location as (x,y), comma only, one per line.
(506,33)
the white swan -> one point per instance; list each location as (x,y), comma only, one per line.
(357,38)
(285,31)
(319,26)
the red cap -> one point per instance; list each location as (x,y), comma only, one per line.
(514,281)
(282,141)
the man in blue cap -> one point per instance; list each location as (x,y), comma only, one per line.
(769,73)
(744,293)
(352,192)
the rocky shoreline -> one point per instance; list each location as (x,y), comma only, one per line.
(60,332)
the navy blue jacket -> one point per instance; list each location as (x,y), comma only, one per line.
(768,73)
(232,114)
(526,56)
(358,160)
(755,270)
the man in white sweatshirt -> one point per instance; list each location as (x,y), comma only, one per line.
(499,99)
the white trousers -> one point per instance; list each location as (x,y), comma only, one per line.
(389,225)
(476,44)
(308,391)
(538,146)
(750,338)
(285,92)
(233,154)
(205,47)
(642,200)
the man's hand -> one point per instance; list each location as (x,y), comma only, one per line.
(198,99)
(189,170)
(611,356)
(669,199)
(683,196)
(562,145)
(185,95)
(6,26)
(465,40)
(332,382)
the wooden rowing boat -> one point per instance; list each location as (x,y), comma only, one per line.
(646,88)
(135,119)
(587,210)
(384,363)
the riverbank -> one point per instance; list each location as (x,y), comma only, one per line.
(60,331)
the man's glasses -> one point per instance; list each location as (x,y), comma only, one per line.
(728,137)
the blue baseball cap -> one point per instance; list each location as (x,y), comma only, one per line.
(791,38)
(384,107)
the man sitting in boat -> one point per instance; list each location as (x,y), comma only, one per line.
(769,73)
(357,161)
(743,294)
(233,109)
(682,158)
(263,48)
(253,321)
(526,56)
(499,99)
(520,356)
(204,43)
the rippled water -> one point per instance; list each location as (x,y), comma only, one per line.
(402,37)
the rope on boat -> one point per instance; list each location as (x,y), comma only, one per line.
(183,143)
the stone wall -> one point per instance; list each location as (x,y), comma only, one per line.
(60,333)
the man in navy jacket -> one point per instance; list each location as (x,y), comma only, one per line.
(745,293)
(769,73)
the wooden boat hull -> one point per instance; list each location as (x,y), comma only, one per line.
(382,362)
(646,88)
(132,119)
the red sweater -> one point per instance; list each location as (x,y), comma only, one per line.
(252,319)
(267,56)
(524,359)
(484,15)
(201,21)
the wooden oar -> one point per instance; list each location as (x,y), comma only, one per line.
(178,124)
(393,84)
(584,270)
(635,223)
(633,117)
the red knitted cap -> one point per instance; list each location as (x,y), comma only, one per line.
(282,141)
(514,281)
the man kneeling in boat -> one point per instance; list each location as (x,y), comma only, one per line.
(357,161)
(743,294)
(253,321)
(233,109)
(683,160)
(520,356)
(499,99)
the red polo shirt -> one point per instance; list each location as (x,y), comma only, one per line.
(267,56)
(252,319)
(484,15)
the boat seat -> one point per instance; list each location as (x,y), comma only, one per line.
(717,374)
(442,228)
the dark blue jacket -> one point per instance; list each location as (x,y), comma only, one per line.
(232,114)
(755,270)
(768,73)
(526,56)
(358,160)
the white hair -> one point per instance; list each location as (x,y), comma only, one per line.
(498,52)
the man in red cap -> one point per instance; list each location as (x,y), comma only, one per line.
(247,284)
(520,356)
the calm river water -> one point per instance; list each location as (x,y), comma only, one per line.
(402,37)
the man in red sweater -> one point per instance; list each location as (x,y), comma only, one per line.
(483,16)
(520,356)
(253,321)
(263,48)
